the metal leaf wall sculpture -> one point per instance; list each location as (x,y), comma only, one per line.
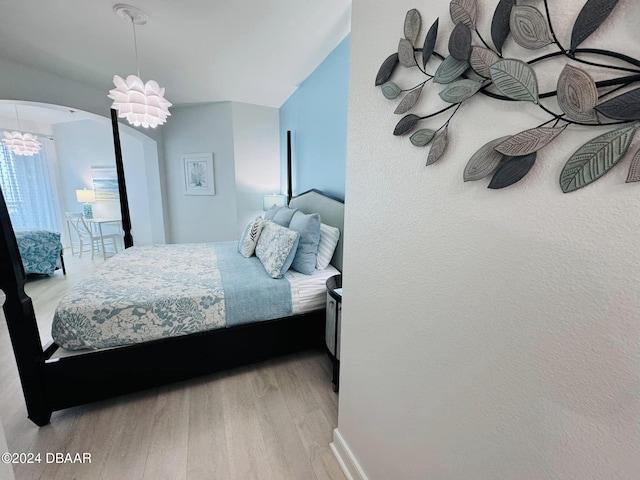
(473,67)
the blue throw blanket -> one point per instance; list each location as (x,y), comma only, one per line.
(39,249)
(250,295)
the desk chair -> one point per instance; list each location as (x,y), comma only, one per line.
(86,237)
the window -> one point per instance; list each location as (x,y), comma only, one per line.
(27,190)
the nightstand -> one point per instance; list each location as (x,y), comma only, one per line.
(332,327)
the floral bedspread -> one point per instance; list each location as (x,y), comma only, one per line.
(142,294)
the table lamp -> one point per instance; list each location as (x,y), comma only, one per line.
(272,199)
(86,197)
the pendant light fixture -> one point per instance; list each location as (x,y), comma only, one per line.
(21,143)
(142,104)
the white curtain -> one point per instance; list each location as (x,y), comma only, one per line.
(26,186)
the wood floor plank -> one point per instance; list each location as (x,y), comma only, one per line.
(167,457)
(287,455)
(207,455)
(247,451)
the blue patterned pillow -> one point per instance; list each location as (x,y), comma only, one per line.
(276,248)
(250,236)
(308,226)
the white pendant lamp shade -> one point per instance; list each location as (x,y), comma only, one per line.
(21,143)
(142,104)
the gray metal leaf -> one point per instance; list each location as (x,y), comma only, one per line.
(408,101)
(481,60)
(589,19)
(405,53)
(634,169)
(386,69)
(390,90)
(412,24)
(406,124)
(529,141)
(595,158)
(623,107)
(512,170)
(484,161)
(438,146)
(460,90)
(529,28)
(422,137)
(465,11)
(515,79)
(429,43)
(450,69)
(500,24)
(460,42)
(577,94)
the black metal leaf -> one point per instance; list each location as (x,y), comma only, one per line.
(429,43)
(460,42)
(412,24)
(511,170)
(500,24)
(387,68)
(623,107)
(589,19)
(406,124)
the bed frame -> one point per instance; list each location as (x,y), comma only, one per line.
(52,383)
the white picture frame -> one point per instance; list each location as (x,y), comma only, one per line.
(199,177)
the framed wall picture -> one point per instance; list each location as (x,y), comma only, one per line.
(198,174)
(105,183)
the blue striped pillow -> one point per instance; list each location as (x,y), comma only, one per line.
(329,237)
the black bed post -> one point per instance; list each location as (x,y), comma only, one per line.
(289,183)
(122,187)
(21,322)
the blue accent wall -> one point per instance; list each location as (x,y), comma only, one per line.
(316,114)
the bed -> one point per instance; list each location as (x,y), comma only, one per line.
(40,250)
(54,378)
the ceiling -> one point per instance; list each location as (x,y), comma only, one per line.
(252,51)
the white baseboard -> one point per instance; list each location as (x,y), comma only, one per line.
(348,463)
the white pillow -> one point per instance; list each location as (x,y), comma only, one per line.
(329,237)
(276,248)
(250,236)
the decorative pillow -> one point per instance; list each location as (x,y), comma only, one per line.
(276,248)
(308,226)
(284,215)
(329,237)
(249,238)
(269,214)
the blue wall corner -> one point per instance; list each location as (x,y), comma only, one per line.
(316,114)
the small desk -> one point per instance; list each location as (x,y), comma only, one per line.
(99,221)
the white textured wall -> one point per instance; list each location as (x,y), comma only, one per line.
(486,334)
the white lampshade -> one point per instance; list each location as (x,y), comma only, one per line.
(272,199)
(85,196)
(141,104)
(21,143)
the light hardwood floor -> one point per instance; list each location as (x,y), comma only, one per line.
(272,420)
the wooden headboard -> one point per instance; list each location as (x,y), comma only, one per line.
(331,213)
